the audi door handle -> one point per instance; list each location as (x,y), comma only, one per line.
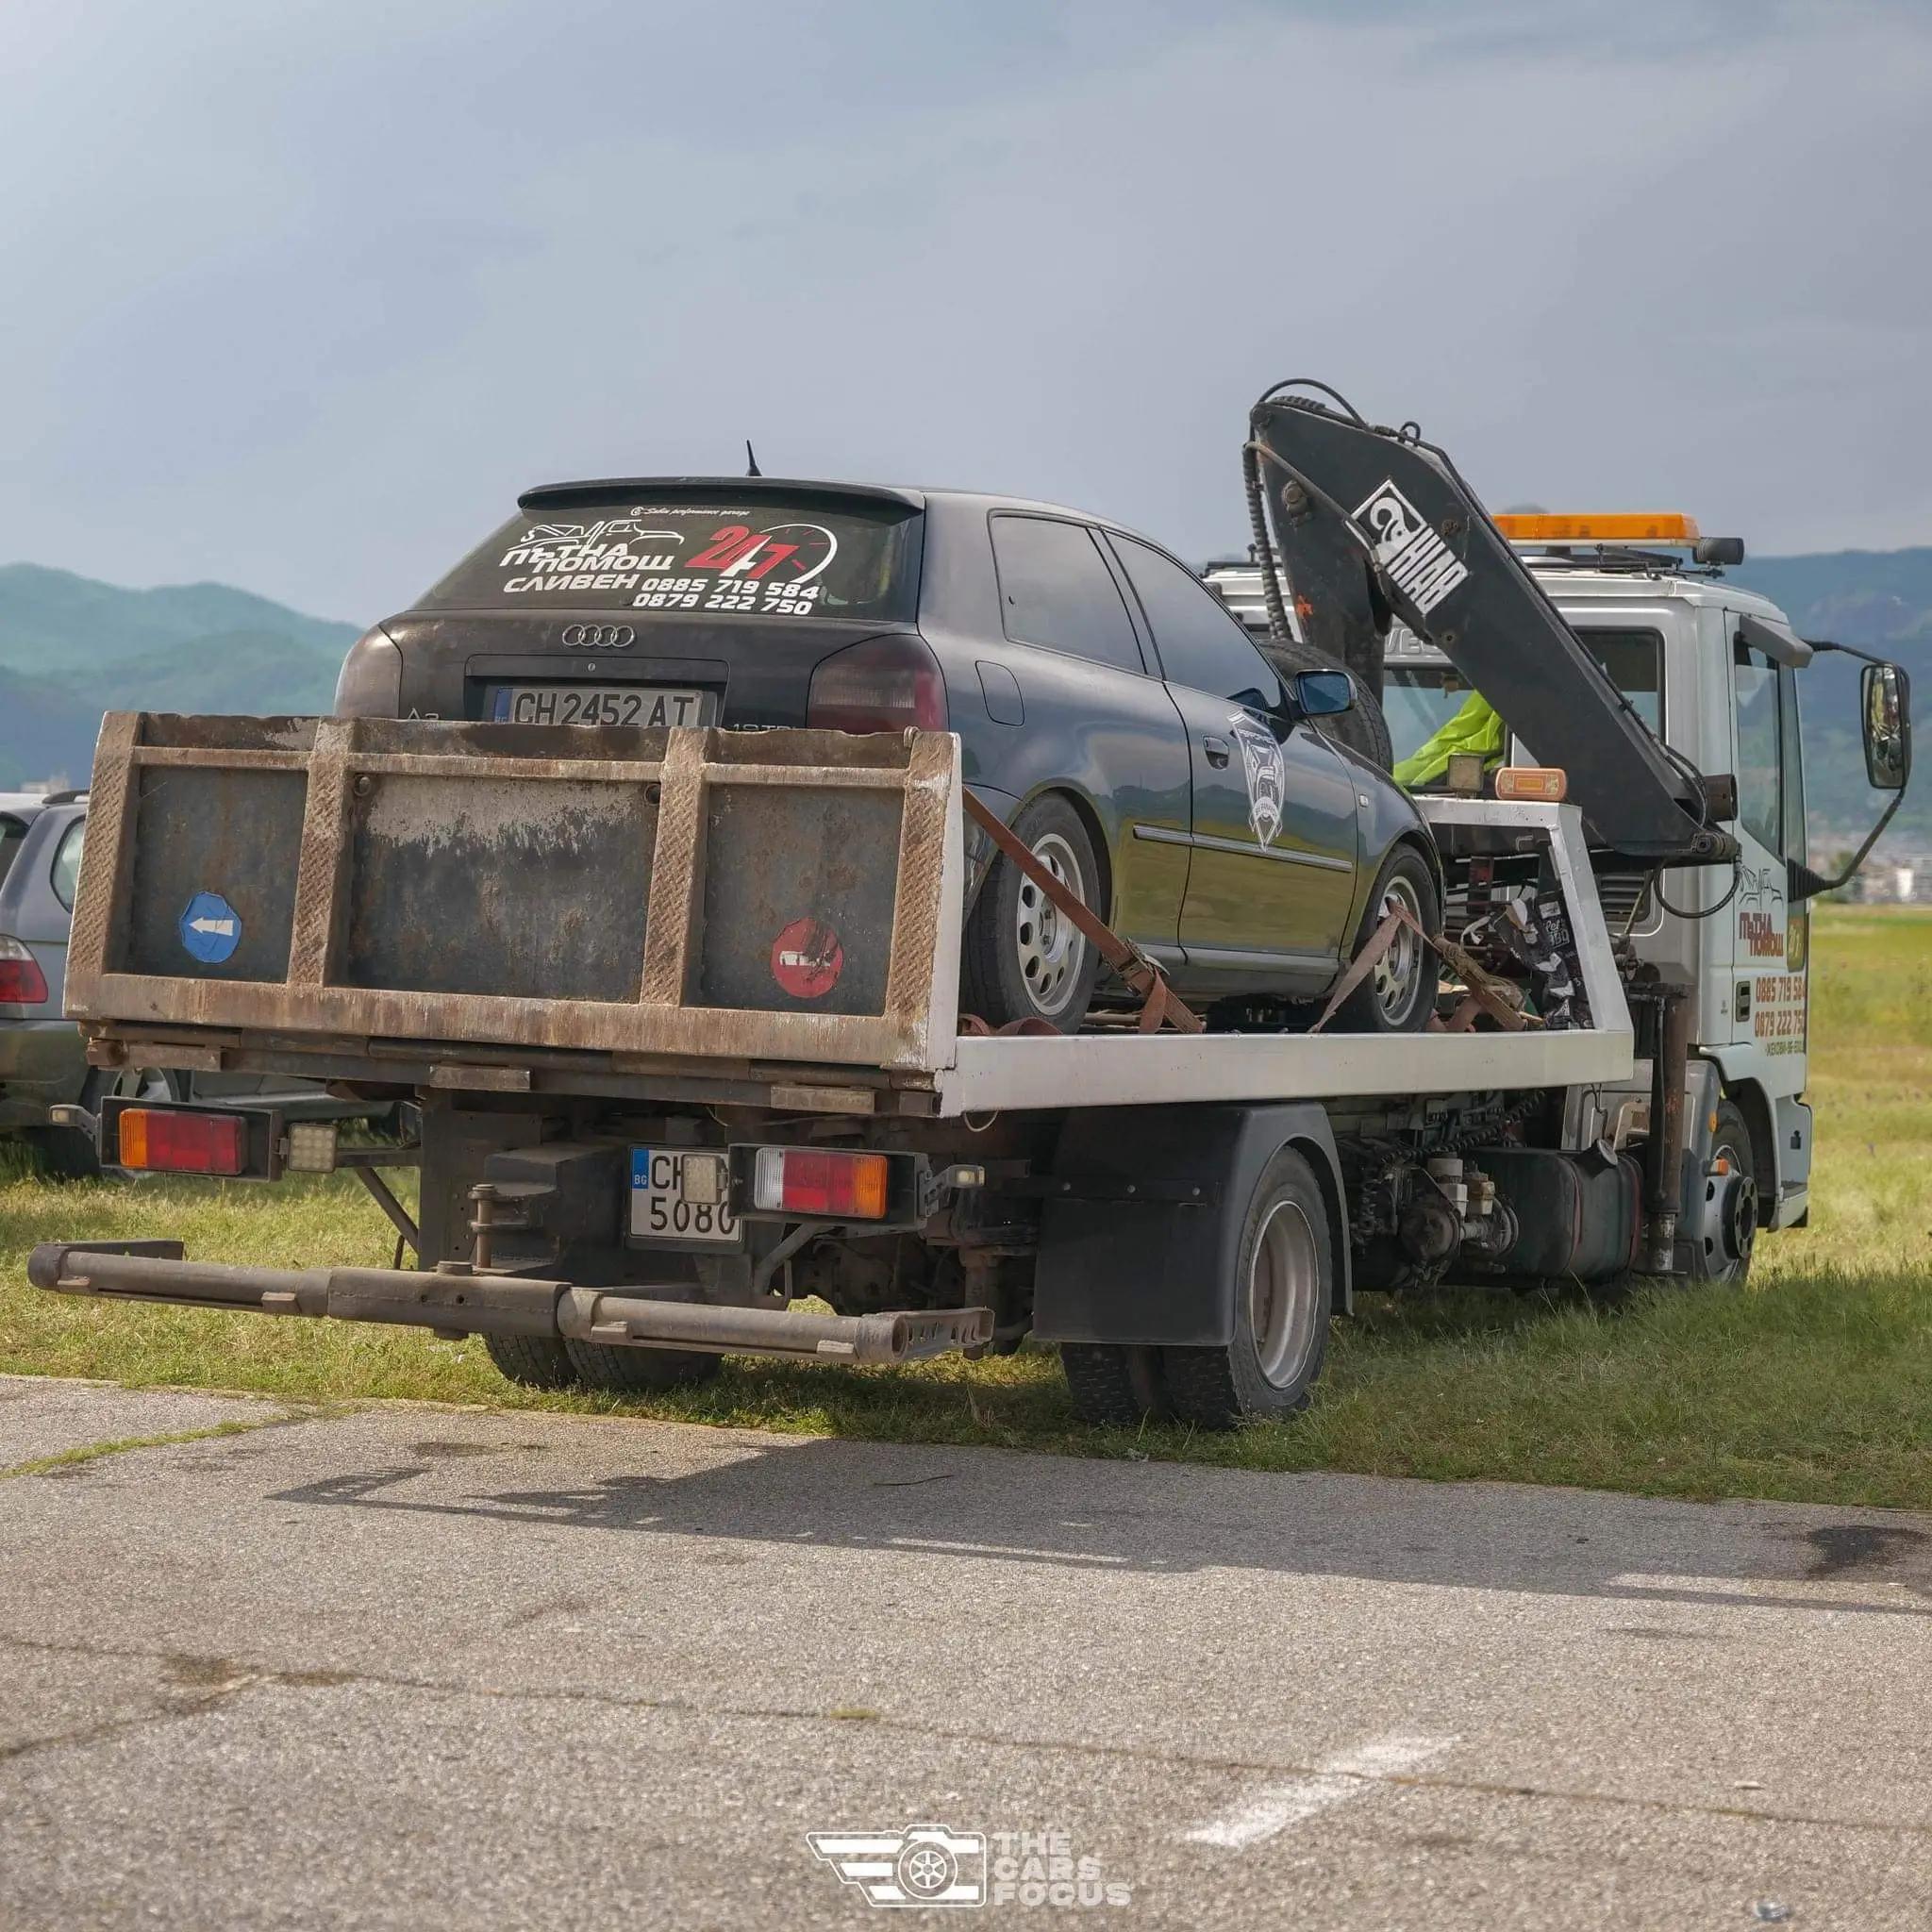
(1219,751)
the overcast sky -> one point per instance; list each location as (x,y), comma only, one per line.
(299,296)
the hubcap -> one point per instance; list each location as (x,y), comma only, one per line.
(1730,1211)
(1398,972)
(1284,1294)
(1051,952)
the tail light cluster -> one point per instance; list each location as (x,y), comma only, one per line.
(820,1181)
(883,684)
(22,982)
(158,1139)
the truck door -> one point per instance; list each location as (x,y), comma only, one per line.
(1770,938)
(1271,877)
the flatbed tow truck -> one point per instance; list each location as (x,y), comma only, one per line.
(639,1152)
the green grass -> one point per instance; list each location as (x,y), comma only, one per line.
(1813,1384)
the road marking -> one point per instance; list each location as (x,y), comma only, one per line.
(1341,1775)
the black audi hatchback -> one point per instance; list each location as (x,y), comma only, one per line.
(1107,706)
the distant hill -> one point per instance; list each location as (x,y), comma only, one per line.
(71,648)
(1881,601)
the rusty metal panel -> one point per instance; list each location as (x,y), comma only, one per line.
(798,895)
(534,887)
(198,832)
(527,890)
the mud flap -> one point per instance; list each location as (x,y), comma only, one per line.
(1138,1244)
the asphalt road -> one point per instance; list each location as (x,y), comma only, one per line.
(412,1667)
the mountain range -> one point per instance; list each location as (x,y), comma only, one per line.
(71,647)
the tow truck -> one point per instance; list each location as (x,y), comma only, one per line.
(639,1152)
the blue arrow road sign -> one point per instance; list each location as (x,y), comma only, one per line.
(211,927)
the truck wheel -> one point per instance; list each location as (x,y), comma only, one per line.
(531,1361)
(1399,994)
(1283,1292)
(1113,1388)
(614,1370)
(1727,1228)
(1022,959)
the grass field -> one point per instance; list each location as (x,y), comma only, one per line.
(1815,1383)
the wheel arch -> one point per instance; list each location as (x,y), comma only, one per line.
(1089,815)
(1746,1092)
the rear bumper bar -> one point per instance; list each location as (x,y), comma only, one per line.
(461,1303)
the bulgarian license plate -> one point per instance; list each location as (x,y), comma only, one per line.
(598,704)
(662,1207)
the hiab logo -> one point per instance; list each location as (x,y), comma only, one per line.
(1420,565)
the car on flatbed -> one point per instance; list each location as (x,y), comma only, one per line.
(1109,709)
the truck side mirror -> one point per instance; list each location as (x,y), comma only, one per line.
(1885,698)
(1326,694)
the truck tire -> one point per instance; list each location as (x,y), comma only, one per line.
(1113,1386)
(1364,731)
(1727,1229)
(531,1361)
(622,1371)
(1283,1293)
(1399,994)
(1022,959)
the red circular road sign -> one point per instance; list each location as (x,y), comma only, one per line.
(806,959)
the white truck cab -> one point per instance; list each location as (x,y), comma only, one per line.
(1714,671)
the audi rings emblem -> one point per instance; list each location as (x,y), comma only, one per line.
(598,637)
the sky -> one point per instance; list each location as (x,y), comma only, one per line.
(297,296)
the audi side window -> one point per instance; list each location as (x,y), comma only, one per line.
(67,863)
(1055,589)
(1199,643)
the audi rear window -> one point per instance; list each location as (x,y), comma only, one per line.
(723,553)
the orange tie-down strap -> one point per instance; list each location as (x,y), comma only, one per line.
(1485,991)
(1160,1003)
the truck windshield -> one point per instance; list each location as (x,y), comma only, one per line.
(1419,698)
(705,551)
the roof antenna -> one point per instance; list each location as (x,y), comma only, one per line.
(751,461)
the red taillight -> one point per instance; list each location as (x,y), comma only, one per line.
(159,1142)
(885,684)
(808,1180)
(22,982)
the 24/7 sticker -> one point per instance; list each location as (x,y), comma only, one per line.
(806,959)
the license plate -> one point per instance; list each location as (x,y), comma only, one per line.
(598,704)
(660,1210)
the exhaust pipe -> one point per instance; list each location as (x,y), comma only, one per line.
(454,1303)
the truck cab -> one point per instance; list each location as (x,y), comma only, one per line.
(1715,671)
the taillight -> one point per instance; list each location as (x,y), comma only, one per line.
(22,982)
(809,1180)
(885,684)
(161,1141)
(370,684)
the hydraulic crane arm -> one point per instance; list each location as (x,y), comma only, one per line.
(1372,524)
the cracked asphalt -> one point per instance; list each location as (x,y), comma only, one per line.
(416,1667)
